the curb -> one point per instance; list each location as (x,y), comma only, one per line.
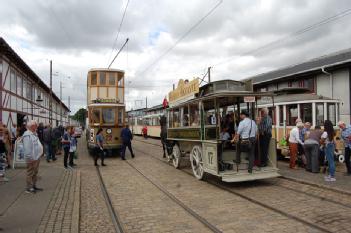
(316,185)
(76,206)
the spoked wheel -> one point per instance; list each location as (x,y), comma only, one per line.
(196,162)
(176,156)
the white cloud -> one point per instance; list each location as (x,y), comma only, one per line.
(78,35)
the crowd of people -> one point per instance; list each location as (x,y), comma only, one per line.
(37,140)
(316,148)
(312,148)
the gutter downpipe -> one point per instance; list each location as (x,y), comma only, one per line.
(330,81)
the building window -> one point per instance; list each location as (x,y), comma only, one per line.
(282,85)
(93,79)
(306,112)
(13,81)
(29,91)
(291,114)
(111,79)
(319,114)
(309,84)
(102,78)
(331,113)
(19,85)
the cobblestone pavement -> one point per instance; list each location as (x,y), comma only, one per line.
(62,213)
(232,212)
(94,215)
(141,206)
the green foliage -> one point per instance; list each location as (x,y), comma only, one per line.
(80,116)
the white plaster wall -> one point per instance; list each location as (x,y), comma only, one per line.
(340,89)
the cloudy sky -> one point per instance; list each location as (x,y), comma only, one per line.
(79,34)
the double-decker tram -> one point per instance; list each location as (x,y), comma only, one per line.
(106,108)
(197,118)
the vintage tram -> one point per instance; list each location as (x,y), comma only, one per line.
(106,108)
(195,117)
(297,103)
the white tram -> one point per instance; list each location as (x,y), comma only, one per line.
(194,125)
(295,103)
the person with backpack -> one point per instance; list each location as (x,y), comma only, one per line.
(127,138)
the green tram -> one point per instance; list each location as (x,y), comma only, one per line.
(194,126)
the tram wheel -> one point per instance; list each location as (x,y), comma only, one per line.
(196,162)
(176,156)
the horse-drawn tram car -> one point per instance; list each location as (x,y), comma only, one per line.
(198,117)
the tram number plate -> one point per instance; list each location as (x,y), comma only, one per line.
(210,156)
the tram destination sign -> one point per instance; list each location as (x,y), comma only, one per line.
(184,91)
(109,101)
(249,99)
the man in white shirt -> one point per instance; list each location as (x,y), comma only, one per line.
(246,135)
(294,140)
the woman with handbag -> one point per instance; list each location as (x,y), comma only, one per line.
(328,139)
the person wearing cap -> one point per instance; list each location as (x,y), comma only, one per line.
(294,141)
(346,136)
(127,138)
(246,136)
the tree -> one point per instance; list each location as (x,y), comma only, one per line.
(80,116)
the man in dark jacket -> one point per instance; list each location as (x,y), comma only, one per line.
(127,138)
(47,138)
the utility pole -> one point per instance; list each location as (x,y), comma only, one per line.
(209,74)
(61,103)
(69,110)
(50,101)
(146,101)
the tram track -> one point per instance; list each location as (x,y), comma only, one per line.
(258,202)
(287,179)
(117,224)
(177,201)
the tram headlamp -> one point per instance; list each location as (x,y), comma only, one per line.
(109,131)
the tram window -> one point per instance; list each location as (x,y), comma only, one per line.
(111,79)
(281,115)
(319,114)
(291,114)
(306,112)
(120,116)
(120,81)
(108,115)
(95,116)
(93,80)
(210,113)
(271,113)
(176,118)
(331,113)
(102,78)
(194,114)
(185,119)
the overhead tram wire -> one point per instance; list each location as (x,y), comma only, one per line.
(119,30)
(292,35)
(120,50)
(181,38)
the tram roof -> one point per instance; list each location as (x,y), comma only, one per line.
(301,97)
(106,70)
